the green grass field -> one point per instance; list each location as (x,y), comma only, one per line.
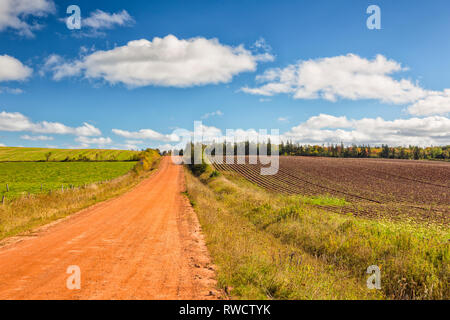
(39,154)
(24,177)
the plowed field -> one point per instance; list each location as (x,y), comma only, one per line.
(399,189)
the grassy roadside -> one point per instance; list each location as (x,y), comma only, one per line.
(28,212)
(253,263)
(256,238)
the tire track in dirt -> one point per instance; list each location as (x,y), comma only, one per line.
(144,244)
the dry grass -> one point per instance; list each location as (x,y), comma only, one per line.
(252,263)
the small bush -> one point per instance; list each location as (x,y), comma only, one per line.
(214,174)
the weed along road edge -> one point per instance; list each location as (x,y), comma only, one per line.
(144,244)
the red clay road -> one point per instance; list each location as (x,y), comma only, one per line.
(145,244)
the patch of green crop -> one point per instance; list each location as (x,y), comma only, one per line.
(38,177)
(324,201)
(45,154)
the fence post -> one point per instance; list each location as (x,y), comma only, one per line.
(7,188)
(3,199)
(62,188)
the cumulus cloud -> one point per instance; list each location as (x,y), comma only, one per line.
(16,14)
(146,134)
(434,103)
(347,77)
(324,128)
(12,69)
(167,61)
(17,122)
(354,78)
(36,138)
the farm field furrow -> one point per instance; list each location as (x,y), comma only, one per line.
(356,179)
(397,189)
(345,176)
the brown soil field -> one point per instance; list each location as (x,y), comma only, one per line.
(397,189)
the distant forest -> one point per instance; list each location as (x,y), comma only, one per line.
(354,151)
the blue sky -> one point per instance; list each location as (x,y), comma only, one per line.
(335,88)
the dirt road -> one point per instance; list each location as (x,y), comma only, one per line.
(145,244)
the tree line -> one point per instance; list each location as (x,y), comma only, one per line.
(366,151)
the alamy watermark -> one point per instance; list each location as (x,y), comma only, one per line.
(73,22)
(374,20)
(374,281)
(73,282)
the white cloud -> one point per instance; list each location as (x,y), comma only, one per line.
(17,122)
(101,141)
(12,69)
(327,121)
(167,61)
(347,77)
(134,142)
(283,119)
(99,20)
(104,20)
(50,63)
(36,138)
(146,134)
(212,114)
(434,103)
(55,63)
(207,133)
(330,129)
(354,78)
(14,14)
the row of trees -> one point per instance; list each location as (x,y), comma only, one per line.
(366,151)
(339,150)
